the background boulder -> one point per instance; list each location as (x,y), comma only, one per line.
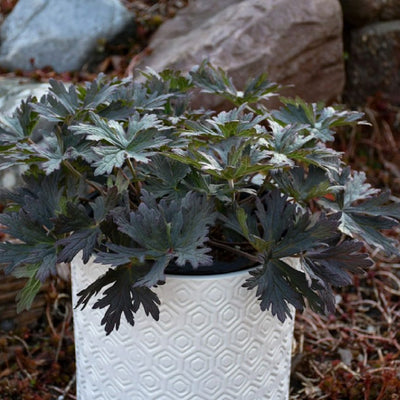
(361,12)
(297,43)
(14,90)
(372,45)
(62,34)
(373,65)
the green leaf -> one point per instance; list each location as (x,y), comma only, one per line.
(26,255)
(378,205)
(259,88)
(304,186)
(131,96)
(166,81)
(73,218)
(164,177)
(216,81)
(225,125)
(201,183)
(325,158)
(85,230)
(84,240)
(242,219)
(364,212)
(121,183)
(288,139)
(231,159)
(332,264)
(213,80)
(276,215)
(20,125)
(146,100)
(320,119)
(113,132)
(98,93)
(273,290)
(120,255)
(39,199)
(68,98)
(156,275)
(49,148)
(308,231)
(50,151)
(109,158)
(286,231)
(367,227)
(28,293)
(59,103)
(279,285)
(20,225)
(37,204)
(137,142)
(178,228)
(291,143)
(356,188)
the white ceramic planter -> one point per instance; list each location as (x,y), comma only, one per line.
(211,343)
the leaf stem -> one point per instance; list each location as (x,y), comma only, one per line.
(69,166)
(133,188)
(58,132)
(134,176)
(75,172)
(49,232)
(234,250)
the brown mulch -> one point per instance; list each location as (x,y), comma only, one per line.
(39,363)
(354,354)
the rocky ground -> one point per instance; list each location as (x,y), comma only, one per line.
(354,354)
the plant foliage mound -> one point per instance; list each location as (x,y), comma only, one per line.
(130,173)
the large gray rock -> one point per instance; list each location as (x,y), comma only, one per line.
(12,92)
(362,12)
(58,33)
(296,42)
(374,64)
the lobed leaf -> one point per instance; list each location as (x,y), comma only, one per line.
(320,119)
(332,264)
(176,228)
(304,186)
(279,285)
(364,213)
(84,240)
(120,297)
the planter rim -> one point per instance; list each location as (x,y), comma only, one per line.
(205,276)
(238,268)
(220,275)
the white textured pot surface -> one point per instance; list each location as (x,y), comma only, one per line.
(211,343)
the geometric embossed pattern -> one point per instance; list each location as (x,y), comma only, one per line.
(211,343)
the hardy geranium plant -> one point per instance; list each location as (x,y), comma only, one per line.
(131,174)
